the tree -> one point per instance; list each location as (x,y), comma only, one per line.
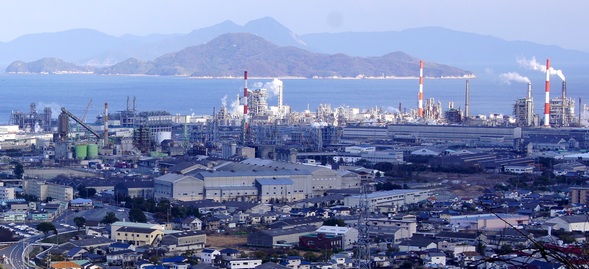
(19,170)
(136,215)
(334,222)
(80,222)
(86,192)
(109,218)
(46,227)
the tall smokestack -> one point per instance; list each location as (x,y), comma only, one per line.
(467,100)
(579,112)
(547,103)
(105,124)
(529,90)
(420,96)
(280,97)
(564,102)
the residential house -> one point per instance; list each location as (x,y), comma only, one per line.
(65,265)
(418,243)
(208,255)
(271,265)
(211,223)
(117,246)
(241,263)
(435,258)
(123,257)
(192,224)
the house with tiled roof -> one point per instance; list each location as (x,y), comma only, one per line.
(418,243)
(65,265)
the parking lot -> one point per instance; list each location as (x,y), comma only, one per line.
(94,214)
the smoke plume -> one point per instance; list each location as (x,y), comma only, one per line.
(536,66)
(273,87)
(224,101)
(513,76)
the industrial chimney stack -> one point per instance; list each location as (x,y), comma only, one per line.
(420,96)
(467,100)
(105,124)
(547,103)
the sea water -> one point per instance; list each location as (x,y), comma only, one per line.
(186,96)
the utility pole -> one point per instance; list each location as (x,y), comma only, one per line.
(363,255)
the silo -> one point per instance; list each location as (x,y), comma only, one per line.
(81,151)
(92,151)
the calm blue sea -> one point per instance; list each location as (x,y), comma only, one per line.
(182,95)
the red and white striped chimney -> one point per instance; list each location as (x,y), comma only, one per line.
(547,103)
(420,96)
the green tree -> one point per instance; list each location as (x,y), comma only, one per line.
(334,222)
(136,215)
(86,192)
(19,170)
(80,222)
(46,227)
(109,218)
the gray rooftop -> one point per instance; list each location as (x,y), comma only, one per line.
(274,181)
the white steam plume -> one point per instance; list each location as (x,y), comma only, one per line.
(393,109)
(236,108)
(224,101)
(513,76)
(273,87)
(535,65)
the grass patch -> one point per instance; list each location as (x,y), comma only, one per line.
(61,238)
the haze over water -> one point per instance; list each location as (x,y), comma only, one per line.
(182,95)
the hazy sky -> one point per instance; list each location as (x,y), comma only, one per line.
(561,23)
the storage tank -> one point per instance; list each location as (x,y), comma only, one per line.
(92,151)
(81,151)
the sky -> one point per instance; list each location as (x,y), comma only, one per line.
(560,23)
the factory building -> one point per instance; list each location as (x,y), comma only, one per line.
(397,198)
(448,133)
(523,110)
(250,180)
(562,110)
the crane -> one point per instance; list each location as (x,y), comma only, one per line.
(86,112)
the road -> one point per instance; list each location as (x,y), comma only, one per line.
(15,258)
(14,254)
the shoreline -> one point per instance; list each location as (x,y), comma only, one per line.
(469,76)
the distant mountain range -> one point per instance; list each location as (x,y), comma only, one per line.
(359,53)
(230,54)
